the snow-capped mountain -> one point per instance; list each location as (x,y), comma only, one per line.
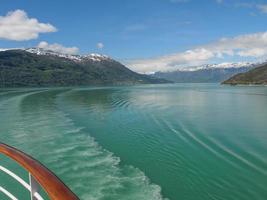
(225,65)
(206,73)
(37,67)
(77,58)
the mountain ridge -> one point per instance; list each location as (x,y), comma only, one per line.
(35,67)
(74,57)
(205,73)
(256,76)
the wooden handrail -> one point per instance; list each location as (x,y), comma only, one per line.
(54,187)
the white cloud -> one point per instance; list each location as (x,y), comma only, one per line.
(256,52)
(230,46)
(58,48)
(100,45)
(16,25)
(219,1)
(249,45)
(262,7)
(169,62)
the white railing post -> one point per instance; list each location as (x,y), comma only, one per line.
(22,182)
(34,187)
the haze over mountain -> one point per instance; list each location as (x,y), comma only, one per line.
(36,67)
(205,73)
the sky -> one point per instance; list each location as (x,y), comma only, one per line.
(145,35)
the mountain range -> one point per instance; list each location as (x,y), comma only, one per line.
(35,67)
(206,73)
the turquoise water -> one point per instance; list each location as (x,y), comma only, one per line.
(180,141)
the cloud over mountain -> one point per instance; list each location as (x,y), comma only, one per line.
(16,25)
(100,45)
(248,45)
(58,48)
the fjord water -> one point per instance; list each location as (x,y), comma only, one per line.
(180,141)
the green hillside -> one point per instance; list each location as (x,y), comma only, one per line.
(19,68)
(257,75)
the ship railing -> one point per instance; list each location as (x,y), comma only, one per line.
(39,176)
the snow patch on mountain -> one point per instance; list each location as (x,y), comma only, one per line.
(225,65)
(96,57)
(77,58)
(7,49)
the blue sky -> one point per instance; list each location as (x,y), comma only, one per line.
(147,35)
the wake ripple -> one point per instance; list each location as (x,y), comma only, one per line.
(48,134)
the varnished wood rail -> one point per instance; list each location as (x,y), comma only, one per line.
(53,186)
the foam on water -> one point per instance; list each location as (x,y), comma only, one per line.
(48,134)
